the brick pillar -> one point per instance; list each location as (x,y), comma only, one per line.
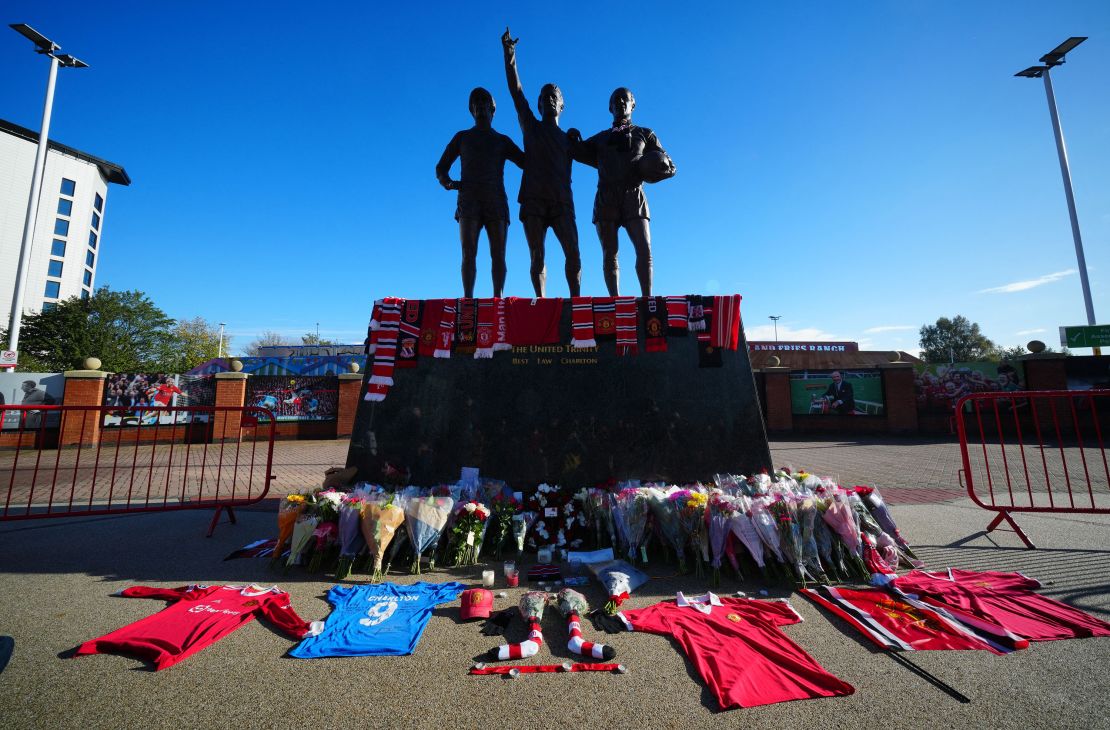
(349,386)
(1045,372)
(776,385)
(900,399)
(82,388)
(231,390)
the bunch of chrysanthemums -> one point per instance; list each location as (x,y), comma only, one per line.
(784,527)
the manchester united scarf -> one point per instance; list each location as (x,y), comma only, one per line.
(626,326)
(582,323)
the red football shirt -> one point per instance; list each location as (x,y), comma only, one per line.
(533,321)
(737,648)
(199,616)
(1003,599)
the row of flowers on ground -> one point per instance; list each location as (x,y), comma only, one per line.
(787,528)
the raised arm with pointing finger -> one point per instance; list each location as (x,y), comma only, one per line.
(545,197)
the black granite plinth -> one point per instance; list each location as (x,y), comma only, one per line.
(554,414)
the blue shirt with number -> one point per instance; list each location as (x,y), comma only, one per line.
(376,620)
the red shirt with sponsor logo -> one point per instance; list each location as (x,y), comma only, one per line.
(736,646)
(199,616)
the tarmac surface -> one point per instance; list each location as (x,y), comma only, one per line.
(57,578)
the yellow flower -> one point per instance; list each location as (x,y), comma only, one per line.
(698,499)
(295,498)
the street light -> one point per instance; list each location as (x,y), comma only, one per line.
(1055,57)
(775,318)
(46,47)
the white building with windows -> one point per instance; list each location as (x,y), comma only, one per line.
(67,241)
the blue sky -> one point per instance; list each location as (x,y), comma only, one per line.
(859,169)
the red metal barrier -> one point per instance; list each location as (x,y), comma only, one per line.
(66,461)
(1035,451)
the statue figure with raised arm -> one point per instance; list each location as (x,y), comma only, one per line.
(545,198)
(626,156)
(482,202)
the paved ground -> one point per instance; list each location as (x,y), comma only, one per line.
(57,577)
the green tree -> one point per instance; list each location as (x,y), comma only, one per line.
(268,338)
(957,339)
(123,328)
(197,341)
(311,338)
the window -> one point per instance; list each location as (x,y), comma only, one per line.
(99,203)
(90,259)
(53,288)
(84,293)
(88,277)
(61,227)
(92,239)
(47,306)
(68,186)
(96,221)
(55,268)
(58,248)
(65,207)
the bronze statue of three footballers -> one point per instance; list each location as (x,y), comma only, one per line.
(625,155)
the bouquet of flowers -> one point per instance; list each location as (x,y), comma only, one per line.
(467,533)
(721,510)
(630,510)
(689,506)
(302,536)
(619,579)
(288,511)
(767,527)
(351,541)
(665,514)
(532,604)
(327,509)
(873,500)
(741,525)
(571,601)
(841,519)
(791,539)
(381,517)
(521,522)
(505,508)
(806,516)
(425,517)
(547,503)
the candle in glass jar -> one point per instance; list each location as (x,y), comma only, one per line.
(512,578)
(487,578)
(510,566)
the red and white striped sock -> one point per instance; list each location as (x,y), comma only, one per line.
(678,313)
(501,326)
(582,322)
(586,648)
(626,326)
(487,312)
(446,333)
(523,650)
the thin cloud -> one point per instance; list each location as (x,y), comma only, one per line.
(1029,284)
(766,333)
(1031,332)
(890,328)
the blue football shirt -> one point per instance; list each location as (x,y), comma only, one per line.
(376,620)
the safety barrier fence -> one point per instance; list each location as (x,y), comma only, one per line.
(1035,451)
(64,461)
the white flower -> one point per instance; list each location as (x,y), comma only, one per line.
(470,507)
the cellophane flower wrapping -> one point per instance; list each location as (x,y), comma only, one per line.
(302,537)
(766,526)
(521,522)
(690,505)
(288,511)
(667,521)
(324,536)
(351,541)
(824,538)
(720,510)
(873,499)
(742,527)
(532,604)
(504,508)
(381,516)
(633,507)
(426,515)
(806,515)
(782,508)
(571,601)
(841,519)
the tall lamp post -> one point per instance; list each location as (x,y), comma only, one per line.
(49,48)
(775,319)
(1053,58)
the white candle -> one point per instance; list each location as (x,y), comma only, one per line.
(487,578)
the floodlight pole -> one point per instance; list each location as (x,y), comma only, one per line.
(32,211)
(775,318)
(1065,171)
